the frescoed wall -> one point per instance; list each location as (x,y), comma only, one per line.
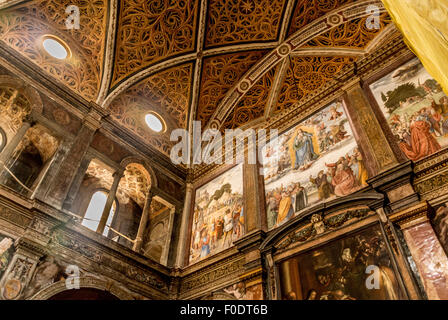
(6,253)
(218,217)
(338,271)
(317,160)
(415,108)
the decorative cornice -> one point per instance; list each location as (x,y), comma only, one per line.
(415,214)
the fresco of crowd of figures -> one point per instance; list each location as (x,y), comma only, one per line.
(318,160)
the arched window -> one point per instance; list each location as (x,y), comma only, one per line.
(2,139)
(95,210)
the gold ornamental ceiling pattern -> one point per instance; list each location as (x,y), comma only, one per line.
(222,62)
(306,75)
(239,21)
(353,34)
(306,11)
(168,93)
(220,73)
(150,31)
(253,105)
(22,28)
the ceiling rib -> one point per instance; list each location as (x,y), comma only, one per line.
(109,54)
(198,65)
(279,77)
(294,42)
(286,19)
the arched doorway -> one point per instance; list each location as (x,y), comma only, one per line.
(84,294)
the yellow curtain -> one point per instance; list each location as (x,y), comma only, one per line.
(424,24)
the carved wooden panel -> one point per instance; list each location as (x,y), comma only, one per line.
(220,73)
(353,34)
(151,31)
(22,29)
(306,75)
(253,104)
(306,11)
(238,21)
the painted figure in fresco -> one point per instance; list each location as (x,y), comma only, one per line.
(228,229)
(444,105)
(335,114)
(324,187)
(304,149)
(357,162)
(285,210)
(205,243)
(338,132)
(301,199)
(5,254)
(423,142)
(237,216)
(272,211)
(343,180)
(214,233)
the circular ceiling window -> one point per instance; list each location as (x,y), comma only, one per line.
(154,122)
(56,47)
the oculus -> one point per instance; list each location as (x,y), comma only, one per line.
(154,122)
(55,47)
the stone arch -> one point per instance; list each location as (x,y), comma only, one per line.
(3,139)
(84,282)
(370,199)
(29,92)
(149,170)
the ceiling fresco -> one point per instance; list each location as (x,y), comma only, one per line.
(226,63)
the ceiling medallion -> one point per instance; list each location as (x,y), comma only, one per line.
(244,85)
(335,19)
(284,49)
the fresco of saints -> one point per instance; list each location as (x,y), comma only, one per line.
(324,187)
(218,217)
(300,197)
(205,243)
(285,210)
(422,141)
(303,149)
(343,180)
(416,109)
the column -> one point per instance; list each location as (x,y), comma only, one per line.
(143,222)
(71,164)
(110,200)
(180,257)
(369,133)
(45,182)
(166,249)
(388,169)
(12,145)
(427,252)
(254,200)
(76,183)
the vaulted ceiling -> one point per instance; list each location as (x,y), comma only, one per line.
(225,63)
